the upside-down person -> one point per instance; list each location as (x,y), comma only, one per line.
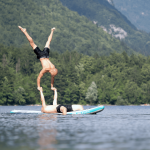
(57,108)
(43,56)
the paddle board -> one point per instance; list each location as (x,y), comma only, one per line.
(86,111)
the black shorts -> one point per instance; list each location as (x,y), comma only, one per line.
(69,108)
(42,54)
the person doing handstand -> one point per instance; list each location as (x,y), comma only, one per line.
(43,56)
(57,108)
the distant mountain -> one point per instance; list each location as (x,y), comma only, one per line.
(100,11)
(73,32)
(105,15)
(137,11)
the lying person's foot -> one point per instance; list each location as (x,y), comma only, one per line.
(53,29)
(22,29)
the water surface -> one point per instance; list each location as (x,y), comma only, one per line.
(115,128)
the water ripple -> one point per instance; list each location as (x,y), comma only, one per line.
(117,127)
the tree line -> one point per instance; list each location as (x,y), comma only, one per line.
(117,79)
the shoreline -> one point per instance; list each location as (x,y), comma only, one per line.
(83,105)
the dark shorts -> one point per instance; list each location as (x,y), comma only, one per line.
(42,54)
(69,108)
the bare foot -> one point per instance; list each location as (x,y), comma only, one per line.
(22,29)
(40,89)
(53,29)
(53,88)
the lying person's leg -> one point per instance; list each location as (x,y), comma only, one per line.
(77,107)
(42,100)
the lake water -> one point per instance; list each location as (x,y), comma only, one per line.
(115,128)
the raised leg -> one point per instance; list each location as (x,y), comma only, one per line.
(55,96)
(49,38)
(28,37)
(42,100)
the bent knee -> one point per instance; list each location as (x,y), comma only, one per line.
(81,107)
(77,107)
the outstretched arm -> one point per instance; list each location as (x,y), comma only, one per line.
(55,96)
(39,78)
(53,73)
(52,82)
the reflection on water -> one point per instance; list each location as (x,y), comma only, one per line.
(47,133)
(117,127)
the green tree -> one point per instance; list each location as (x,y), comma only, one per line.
(91,94)
(19,96)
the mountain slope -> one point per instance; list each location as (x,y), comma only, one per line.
(137,11)
(73,32)
(112,21)
(98,10)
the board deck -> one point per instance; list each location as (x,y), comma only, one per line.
(86,111)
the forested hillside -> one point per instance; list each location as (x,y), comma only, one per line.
(112,21)
(138,11)
(116,79)
(73,32)
(100,11)
(109,73)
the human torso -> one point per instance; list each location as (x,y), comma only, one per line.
(44,58)
(46,64)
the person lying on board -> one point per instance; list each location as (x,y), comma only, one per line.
(57,108)
(43,56)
